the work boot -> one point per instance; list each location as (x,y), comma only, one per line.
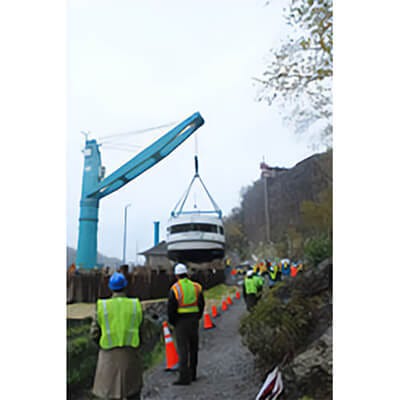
(194,376)
(184,378)
(180,382)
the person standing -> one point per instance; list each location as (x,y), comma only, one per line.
(185,309)
(273,274)
(252,287)
(116,327)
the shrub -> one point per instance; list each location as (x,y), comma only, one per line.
(317,249)
(275,327)
(81,356)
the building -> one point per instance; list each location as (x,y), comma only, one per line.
(157,256)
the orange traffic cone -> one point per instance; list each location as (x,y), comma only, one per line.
(237,295)
(171,356)
(214,312)
(208,324)
(224,306)
(229,301)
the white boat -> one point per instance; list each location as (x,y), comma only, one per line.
(195,236)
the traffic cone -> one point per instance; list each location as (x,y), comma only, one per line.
(171,356)
(229,301)
(224,306)
(237,295)
(214,312)
(208,324)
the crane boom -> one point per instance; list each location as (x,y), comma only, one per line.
(148,157)
(94,187)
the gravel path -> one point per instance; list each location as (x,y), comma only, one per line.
(225,370)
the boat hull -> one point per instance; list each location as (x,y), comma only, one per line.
(197,256)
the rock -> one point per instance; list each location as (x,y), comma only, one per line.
(310,372)
(319,354)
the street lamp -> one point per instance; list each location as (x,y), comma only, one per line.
(124,250)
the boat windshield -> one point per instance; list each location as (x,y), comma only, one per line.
(196,227)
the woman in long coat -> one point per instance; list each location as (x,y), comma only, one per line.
(119,372)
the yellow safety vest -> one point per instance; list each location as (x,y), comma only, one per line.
(273,273)
(187,294)
(119,319)
(250,285)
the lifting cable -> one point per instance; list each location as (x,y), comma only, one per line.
(109,138)
(186,193)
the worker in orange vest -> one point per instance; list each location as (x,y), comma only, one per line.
(185,309)
(293,270)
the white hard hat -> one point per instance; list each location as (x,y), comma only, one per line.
(249,272)
(180,269)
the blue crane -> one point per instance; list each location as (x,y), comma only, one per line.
(95,186)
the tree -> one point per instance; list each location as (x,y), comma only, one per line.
(317,216)
(299,77)
(236,240)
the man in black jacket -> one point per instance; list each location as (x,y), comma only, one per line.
(185,309)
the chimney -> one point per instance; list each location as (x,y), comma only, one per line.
(156,232)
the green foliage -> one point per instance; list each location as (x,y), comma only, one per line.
(317,249)
(317,216)
(235,237)
(81,356)
(299,78)
(276,328)
(219,292)
(154,357)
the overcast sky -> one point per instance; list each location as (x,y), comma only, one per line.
(134,65)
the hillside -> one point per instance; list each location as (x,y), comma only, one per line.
(287,190)
(102,259)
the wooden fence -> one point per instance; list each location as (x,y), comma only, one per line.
(144,283)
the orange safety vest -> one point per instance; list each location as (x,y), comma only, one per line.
(187,294)
(293,271)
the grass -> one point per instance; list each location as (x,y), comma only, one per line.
(154,357)
(219,292)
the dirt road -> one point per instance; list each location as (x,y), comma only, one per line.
(225,370)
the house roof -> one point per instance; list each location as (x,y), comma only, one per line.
(158,250)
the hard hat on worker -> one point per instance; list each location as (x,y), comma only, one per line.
(117,281)
(249,272)
(180,269)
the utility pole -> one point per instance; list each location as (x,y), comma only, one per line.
(265,173)
(124,249)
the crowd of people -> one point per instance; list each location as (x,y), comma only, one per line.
(262,272)
(273,270)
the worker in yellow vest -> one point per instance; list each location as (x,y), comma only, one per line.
(116,327)
(273,274)
(185,309)
(252,288)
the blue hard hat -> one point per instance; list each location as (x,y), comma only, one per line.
(117,281)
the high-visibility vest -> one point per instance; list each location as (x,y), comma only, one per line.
(273,273)
(260,282)
(293,271)
(250,284)
(187,294)
(119,319)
